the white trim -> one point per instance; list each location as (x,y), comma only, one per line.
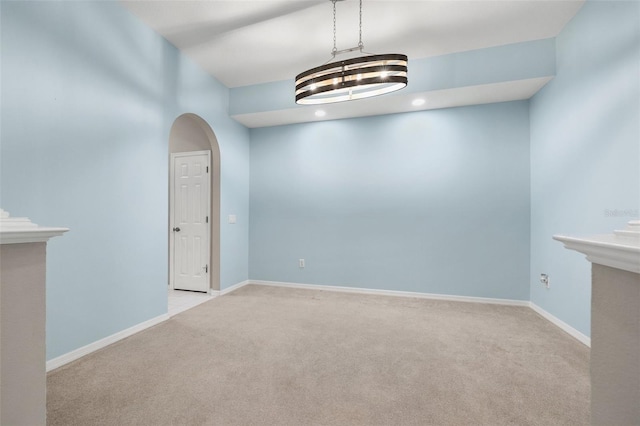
(234,287)
(92,347)
(99,344)
(18,230)
(603,250)
(448,297)
(509,302)
(561,324)
(40,235)
(620,250)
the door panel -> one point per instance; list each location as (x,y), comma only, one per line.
(190,224)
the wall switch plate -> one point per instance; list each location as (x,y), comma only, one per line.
(232,218)
(544,279)
(300,263)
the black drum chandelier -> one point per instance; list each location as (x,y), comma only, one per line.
(356,78)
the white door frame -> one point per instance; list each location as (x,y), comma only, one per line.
(172,213)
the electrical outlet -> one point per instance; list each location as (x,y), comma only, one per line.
(300,263)
(544,279)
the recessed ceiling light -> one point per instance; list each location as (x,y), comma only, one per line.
(418,102)
(320,113)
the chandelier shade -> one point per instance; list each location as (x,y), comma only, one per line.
(351,79)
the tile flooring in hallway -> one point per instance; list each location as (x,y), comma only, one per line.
(181,300)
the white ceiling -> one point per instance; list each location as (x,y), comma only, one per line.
(244,42)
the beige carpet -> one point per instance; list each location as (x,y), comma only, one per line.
(279,356)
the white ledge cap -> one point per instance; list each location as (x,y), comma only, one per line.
(619,250)
(15,230)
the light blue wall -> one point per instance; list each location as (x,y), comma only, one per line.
(585,156)
(88,97)
(433,201)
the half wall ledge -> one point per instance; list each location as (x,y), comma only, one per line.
(615,323)
(22,320)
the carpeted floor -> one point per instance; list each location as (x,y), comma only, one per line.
(280,356)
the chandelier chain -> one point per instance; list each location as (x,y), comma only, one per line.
(360,44)
(335,48)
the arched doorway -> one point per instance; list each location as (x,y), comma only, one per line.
(190,133)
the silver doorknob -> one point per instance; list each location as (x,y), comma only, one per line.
(176,229)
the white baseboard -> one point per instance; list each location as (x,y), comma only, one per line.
(546,315)
(99,344)
(234,287)
(92,347)
(561,324)
(447,297)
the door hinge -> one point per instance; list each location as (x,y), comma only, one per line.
(206,219)
(206,269)
(207,169)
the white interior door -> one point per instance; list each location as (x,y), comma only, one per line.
(190,221)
